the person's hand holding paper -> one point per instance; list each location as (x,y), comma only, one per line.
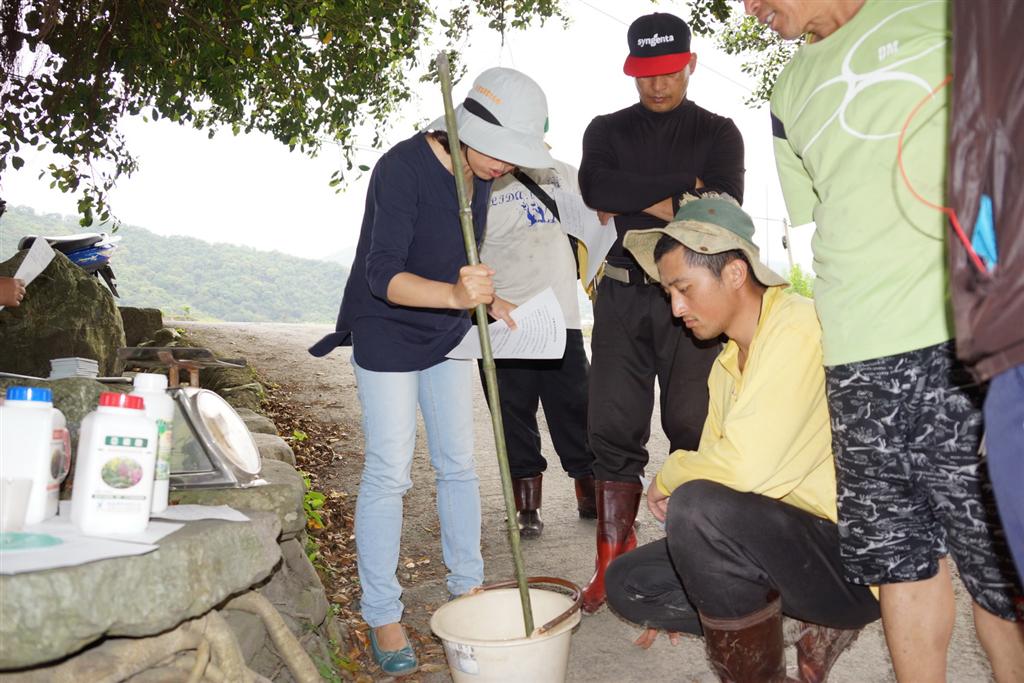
(539,332)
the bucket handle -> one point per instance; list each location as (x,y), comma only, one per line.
(575,593)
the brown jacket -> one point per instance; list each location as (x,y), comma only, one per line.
(986,156)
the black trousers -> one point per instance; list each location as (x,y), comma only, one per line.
(724,552)
(636,340)
(561,387)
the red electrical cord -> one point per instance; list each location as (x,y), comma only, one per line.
(949,211)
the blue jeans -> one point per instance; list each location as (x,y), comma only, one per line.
(1004,436)
(389,399)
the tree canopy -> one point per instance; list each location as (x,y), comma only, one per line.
(737,34)
(307,72)
(304,71)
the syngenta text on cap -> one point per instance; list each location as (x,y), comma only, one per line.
(655,40)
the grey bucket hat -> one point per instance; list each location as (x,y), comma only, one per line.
(504,116)
(707,225)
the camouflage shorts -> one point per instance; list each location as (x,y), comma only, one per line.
(911,485)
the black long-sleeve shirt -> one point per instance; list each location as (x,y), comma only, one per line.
(635,158)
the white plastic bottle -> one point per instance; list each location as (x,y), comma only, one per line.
(114,467)
(34,445)
(159,408)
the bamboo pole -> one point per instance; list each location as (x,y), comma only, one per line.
(490,376)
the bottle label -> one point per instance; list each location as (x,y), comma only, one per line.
(126,441)
(164,443)
(121,472)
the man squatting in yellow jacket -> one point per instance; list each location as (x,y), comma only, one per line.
(750,516)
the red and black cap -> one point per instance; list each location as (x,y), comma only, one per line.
(659,43)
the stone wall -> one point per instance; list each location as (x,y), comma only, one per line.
(195,575)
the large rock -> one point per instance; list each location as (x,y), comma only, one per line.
(140,324)
(295,590)
(47,615)
(239,386)
(273,447)
(256,423)
(66,312)
(282,495)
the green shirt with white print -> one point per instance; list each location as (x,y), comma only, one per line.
(837,112)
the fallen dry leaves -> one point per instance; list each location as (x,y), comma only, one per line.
(323,451)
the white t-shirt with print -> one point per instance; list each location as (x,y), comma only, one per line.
(525,244)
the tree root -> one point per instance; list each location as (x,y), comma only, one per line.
(115,659)
(202,660)
(288,647)
(224,648)
(202,650)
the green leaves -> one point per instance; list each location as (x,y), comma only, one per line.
(312,503)
(737,34)
(800,282)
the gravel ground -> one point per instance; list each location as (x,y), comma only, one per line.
(322,392)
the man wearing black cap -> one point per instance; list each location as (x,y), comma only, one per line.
(636,164)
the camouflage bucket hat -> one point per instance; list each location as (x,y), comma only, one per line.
(707,225)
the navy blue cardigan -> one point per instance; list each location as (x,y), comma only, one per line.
(410,224)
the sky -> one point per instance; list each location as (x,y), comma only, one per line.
(250,190)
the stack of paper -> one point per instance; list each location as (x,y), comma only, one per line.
(73,367)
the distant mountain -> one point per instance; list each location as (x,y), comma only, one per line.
(343,256)
(184,276)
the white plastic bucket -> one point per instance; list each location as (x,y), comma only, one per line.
(484,637)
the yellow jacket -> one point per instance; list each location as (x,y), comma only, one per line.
(767,430)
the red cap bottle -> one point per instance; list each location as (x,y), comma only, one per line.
(113,399)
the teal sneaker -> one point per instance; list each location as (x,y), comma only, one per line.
(394,662)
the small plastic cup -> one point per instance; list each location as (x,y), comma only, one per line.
(14,503)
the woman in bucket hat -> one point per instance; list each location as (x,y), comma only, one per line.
(404,308)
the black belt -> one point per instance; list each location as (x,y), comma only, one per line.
(628,276)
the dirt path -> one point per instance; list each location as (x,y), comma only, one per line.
(324,389)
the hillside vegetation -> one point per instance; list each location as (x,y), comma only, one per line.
(187,277)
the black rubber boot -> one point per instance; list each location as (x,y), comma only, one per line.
(527,494)
(586,498)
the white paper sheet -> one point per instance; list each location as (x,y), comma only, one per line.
(38,257)
(189,513)
(58,543)
(582,223)
(61,525)
(71,550)
(540,332)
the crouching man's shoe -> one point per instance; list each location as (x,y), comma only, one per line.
(818,648)
(747,649)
